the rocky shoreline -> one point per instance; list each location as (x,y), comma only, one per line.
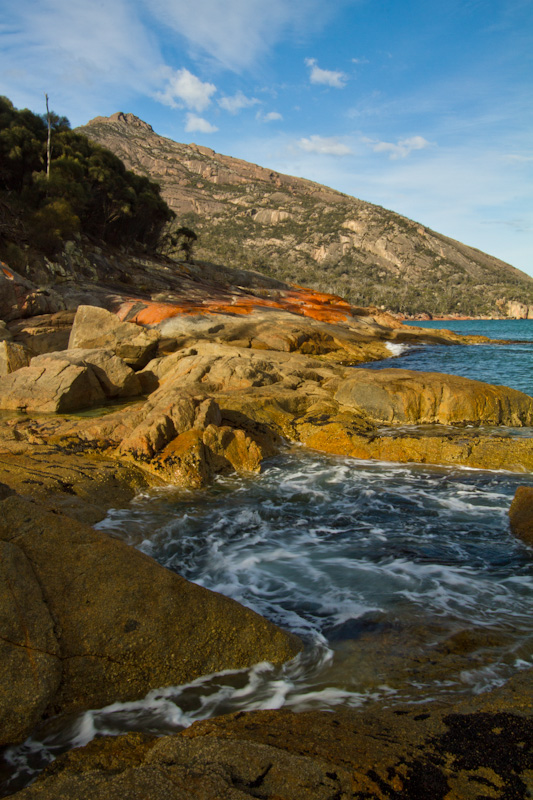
(100,400)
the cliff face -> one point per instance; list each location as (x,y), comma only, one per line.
(296,230)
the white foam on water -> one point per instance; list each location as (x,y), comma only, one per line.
(396,348)
(317,541)
(173,708)
(320,541)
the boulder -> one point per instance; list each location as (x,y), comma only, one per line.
(97,328)
(43,334)
(194,457)
(397,396)
(180,438)
(122,623)
(185,461)
(521,514)
(68,381)
(53,386)
(233,449)
(44,300)
(13,292)
(163,417)
(113,374)
(13,356)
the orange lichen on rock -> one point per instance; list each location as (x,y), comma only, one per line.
(310,296)
(304,302)
(147,313)
(7,272)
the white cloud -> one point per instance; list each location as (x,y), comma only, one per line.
(200,124)
(237,102)
(83,54)
(360,61)
(96,58)
(271,116)
(455,192)
(325,76)
(236,32)
(185,89)
(324,146)
(401,149)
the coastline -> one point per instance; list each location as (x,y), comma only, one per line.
(210,394)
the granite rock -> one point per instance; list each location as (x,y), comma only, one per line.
(521,514)
(13,356)
(97,328)
(122,624)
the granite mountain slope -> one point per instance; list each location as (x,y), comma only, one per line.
(296,230)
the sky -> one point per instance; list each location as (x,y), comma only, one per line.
(424,107)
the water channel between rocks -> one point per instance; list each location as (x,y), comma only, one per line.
(403,580)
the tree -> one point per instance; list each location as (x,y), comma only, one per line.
(48,140)
(55,177)
(185,239)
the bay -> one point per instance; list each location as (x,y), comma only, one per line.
(505,364)
(404,581)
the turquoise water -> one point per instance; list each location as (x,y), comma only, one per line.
(516,329)
(404,581)
(507,364)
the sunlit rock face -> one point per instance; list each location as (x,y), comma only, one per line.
(90,620)
(290,228)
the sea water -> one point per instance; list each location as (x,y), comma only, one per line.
(508,364)
(403,581)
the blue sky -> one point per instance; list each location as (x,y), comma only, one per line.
(421,106)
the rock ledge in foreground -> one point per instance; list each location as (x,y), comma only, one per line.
(101,622)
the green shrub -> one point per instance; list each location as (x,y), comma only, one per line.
(88,189)
(52,225)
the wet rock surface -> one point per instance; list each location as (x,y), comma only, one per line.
(471,751)
(88,620)
(30,670)
(521,514)
(82,486)
(219,383)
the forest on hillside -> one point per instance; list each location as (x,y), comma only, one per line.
(82,188)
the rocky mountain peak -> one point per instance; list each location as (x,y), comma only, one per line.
(126,119)
(293,229)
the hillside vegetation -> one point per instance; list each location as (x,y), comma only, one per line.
(88,190)
(289,228)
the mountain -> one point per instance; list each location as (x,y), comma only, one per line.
(296,230)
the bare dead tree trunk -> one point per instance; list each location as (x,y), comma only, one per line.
(49,141)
